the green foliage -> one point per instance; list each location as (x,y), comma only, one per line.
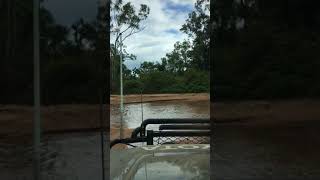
(132,86)
(196,81)
(197,27)
(153,80)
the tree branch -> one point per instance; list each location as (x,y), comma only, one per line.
(131,33)
(126,29)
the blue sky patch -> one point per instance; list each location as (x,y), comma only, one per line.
(179,8)
(172,31)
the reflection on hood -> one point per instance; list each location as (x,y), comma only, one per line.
(161,162)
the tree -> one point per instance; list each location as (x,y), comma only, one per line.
(197,27)
(179,60)
(125,21)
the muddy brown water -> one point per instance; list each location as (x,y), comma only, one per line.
(77,156)
(240,152)
(135,113)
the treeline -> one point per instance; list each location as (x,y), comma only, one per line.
(186,69)
(178,72)
(155,78)
(265,49)
(73,58)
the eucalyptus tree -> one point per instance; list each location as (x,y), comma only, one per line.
(198,29)
(179,59)
(125,20)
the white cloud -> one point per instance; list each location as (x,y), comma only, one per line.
(157,38)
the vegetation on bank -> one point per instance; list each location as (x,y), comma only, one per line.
(190,81)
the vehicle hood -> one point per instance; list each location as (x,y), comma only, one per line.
(159,162)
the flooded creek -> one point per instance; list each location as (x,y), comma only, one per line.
(77,156)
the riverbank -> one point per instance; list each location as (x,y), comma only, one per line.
(137,98)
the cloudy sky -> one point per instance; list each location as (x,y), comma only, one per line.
(162,29)
(162,26)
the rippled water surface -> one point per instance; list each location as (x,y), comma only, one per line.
(77,156)
(134,113)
